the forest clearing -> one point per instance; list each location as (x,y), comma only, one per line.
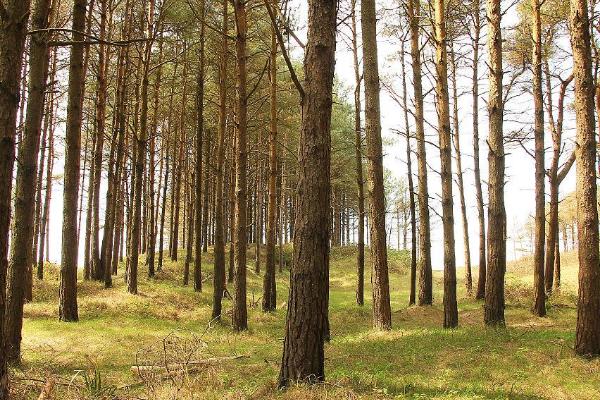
(249,199)
(532,359)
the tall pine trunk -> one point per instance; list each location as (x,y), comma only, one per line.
(382,315)
(587,340)
(303,349)
(425,273)
(240,312)
(21,257)
(539,301)
(496,262)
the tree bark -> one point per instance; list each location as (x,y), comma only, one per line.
(219,269)
(21,257)
(482,273)
(199,219)
(424,264)
(587,340)
(496,263)
(360,255)
(303,352)
(411,189)
(240,312)
(443,112)
(459,174)
(269,302)
(539,301)
(382,315)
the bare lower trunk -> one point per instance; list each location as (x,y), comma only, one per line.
(382,316)
(68,269)
(303,349)
(424,264)
(240,312)
(587,341)
(496,264)
(13,28)
(443,112)
(21,257)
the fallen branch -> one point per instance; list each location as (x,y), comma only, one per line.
(174,366)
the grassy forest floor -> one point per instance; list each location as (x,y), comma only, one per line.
(168,323)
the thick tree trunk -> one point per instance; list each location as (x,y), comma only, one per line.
(443,112)
(496,264)
(587,341)
(425,272)
(382,315)
(303,352)
(22,233)
(68,269)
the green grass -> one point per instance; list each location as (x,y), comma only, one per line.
(531,359)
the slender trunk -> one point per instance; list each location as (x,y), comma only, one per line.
(240,317)
(443,112)
(424,264)
(360,256)
(219,269)
(198,217)
(539,302)
(459,173)
(382,314)
(411,188)
(476,168)
(269,302)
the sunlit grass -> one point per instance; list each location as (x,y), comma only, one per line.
(531,359)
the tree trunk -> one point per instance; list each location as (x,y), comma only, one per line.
(425,273)
(476,168)
(141,142)
(68,269)
(443,112)
(219,269)
(496,264)
(240,312)
(411,189)
(21,257)
(269,302)
(101,97)
(303,352)
(539,302)
(382,315)
(199,219)
(587,341)
(360,256)
(459,174)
